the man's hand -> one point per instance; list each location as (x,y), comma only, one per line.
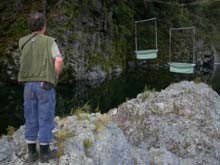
(58,65)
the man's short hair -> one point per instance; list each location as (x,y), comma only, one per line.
(36,21)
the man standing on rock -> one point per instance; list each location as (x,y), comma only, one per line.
(40,66)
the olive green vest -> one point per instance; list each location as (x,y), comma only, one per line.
(37,62)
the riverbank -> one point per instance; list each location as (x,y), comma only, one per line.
(178,125)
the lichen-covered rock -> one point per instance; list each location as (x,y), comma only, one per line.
(183,119)
(177,126)
(88,139)
(99,141)
(5,150)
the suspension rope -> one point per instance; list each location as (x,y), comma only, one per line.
(183,4)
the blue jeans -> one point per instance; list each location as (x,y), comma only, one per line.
(39,109)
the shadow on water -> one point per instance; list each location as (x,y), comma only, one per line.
(102,94)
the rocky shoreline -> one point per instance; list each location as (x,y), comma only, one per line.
(179,125)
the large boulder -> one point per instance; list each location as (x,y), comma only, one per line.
(181,122)
(178,126)
(97,140)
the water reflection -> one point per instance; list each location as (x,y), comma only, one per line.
(11,112)
(103,94)
(215,78)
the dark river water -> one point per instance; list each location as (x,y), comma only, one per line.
(100,95)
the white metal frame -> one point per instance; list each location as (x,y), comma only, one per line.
(145,20)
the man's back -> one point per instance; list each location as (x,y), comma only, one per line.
(36,62)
